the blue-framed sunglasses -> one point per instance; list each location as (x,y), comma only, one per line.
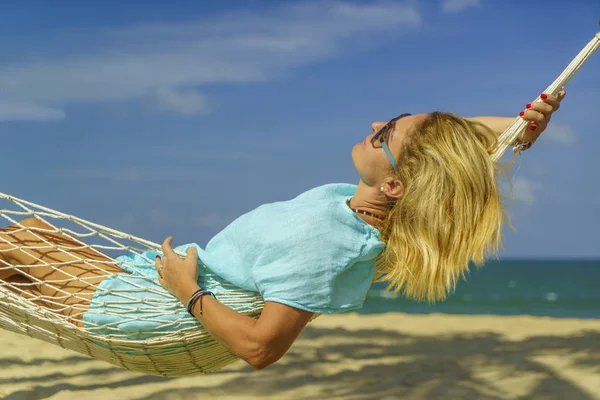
(383,135)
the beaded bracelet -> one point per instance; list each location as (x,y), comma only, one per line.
(194,299)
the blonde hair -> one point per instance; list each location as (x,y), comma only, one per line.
(450,213)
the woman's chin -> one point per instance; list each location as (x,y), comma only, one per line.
(354,158)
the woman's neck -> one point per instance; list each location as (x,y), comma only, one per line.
(372,201)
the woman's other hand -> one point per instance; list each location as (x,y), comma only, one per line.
(175,274)
(539,114)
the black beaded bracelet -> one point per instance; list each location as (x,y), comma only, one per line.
(194,299)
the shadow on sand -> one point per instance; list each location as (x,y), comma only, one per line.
(372,364)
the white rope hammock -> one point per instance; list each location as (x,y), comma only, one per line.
(186,350)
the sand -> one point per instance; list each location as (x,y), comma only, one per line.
(385,356)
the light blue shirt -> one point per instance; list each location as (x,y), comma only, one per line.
(311,252)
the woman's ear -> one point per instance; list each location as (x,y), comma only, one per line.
(393,188)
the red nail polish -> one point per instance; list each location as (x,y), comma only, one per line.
(544,96)
(532,127)
(528,105)
(522,113)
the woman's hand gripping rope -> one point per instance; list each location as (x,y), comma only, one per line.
(176,275)
(538,114)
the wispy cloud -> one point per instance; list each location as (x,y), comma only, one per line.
(524,190)
(166,63)
(454,6)
(559,133)
(19,111)
(184,102)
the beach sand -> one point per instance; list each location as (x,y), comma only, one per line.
(385,356)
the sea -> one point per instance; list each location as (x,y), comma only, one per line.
(553,288)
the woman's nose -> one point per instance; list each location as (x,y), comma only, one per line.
(376,126)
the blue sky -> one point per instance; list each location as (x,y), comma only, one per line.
(174,119)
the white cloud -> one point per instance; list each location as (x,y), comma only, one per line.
(20,111)
(559,133)
(184,102)
(454,6)
(169,62)
(524,190)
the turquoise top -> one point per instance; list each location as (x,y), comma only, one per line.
(311,252)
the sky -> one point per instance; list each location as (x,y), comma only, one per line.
(174,119)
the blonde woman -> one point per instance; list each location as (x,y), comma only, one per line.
(427,203)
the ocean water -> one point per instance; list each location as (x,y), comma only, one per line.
(554,288)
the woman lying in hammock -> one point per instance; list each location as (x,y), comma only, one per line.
(428,202)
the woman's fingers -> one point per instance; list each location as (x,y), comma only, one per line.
(543,108)
(192,254)
(166,247)
(552,101)
(535,116)
(539,114)
(158,265)
(530,134)
(538,110)
(538,121)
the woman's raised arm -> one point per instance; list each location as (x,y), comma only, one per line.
(538,113)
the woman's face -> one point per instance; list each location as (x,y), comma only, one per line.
(370,161)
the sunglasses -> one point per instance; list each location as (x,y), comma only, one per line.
(381,138)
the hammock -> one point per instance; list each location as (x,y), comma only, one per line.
(187,351)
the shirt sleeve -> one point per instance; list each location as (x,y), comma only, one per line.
(350,287)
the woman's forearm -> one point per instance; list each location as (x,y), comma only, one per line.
(496,124)
(237,332)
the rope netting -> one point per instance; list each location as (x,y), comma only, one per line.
(63,261)
(49,296)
